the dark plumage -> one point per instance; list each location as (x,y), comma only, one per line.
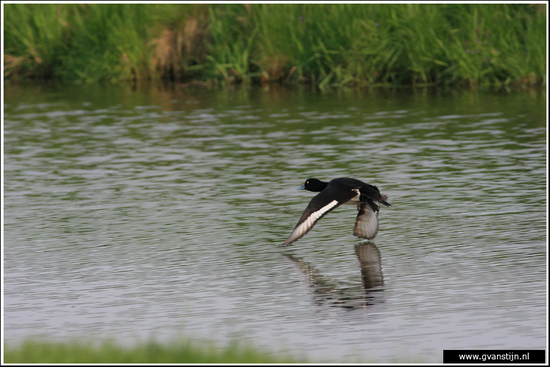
(335,193)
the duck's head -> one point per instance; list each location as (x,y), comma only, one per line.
(313,184)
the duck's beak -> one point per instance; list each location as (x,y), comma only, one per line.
(303,187)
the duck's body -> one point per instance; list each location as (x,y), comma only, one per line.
(335,193)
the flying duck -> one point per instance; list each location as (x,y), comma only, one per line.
(335,193)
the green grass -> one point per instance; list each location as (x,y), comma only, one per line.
(41,351)
(323,44)
(34,351)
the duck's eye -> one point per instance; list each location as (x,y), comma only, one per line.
(307,182)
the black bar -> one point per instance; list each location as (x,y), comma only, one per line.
(494,356)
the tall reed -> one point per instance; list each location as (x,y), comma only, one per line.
(322,44)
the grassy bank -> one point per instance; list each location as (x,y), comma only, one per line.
(323,44)
(109,352)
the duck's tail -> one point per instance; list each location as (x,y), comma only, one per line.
(384,200)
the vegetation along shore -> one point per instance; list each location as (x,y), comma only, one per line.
(466,45)
(38,351)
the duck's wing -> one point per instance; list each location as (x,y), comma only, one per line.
(366,224)
(321,204)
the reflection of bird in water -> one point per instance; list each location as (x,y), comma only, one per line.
(335,193)
(371,265)
(328,291)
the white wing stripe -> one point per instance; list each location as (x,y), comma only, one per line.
(310,221)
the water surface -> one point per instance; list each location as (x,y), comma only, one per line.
(137,214)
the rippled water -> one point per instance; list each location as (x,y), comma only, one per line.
(159,213)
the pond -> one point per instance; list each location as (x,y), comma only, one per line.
(158,213)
